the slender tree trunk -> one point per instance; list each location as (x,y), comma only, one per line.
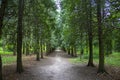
(90,62)
(72,52)
(37,48)
(38,56)
(87,46)
(75,52)
(2,13)
(19,37)
(101,68)
(41,50)
(27,49)
(0,68)
(14,47)
(90,36)
(69,51)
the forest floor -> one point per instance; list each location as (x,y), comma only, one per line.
(57,66)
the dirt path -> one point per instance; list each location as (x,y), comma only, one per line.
(56,67)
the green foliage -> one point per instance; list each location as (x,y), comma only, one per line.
(5,52)
(8,59)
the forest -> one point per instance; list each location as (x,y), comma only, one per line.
(81,33)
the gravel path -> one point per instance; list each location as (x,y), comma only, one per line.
(57,67)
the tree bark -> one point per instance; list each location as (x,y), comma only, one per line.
(90,36)
(101,68)
(68,50)
(27,49)
(1,68)
(19,37)
(38,56)
(37,49)
(2,13)
(75,52)
(41,50)
(72,51)
(14,47)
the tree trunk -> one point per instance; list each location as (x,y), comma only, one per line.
(72,51)
(101,68)
(90,62)
(14,47)
(75,52)
(0,68)
(41,49)
(27,49)
(38,56)
(69,51)
(2,13)
(37,49)
(90,36)
(19,37)
(81,53)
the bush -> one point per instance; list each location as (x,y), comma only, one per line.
(9,47)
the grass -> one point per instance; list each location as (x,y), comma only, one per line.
(8,59)
(113,59)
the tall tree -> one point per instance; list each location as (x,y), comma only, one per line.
(19,37)
(101,68)
(90,35)
(41,48)
(2,13)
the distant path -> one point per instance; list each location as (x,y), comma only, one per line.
(57,67)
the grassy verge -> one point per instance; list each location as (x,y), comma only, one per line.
(113,59)
(8,59)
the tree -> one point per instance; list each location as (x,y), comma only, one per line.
(2,13)
(101,68)
(90,33)
(19,37)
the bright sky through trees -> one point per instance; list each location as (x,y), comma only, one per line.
(58,16)
(58,5)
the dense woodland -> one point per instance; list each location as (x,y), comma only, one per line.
(79,27)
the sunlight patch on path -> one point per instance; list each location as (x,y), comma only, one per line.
(58,59)
(58,50)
